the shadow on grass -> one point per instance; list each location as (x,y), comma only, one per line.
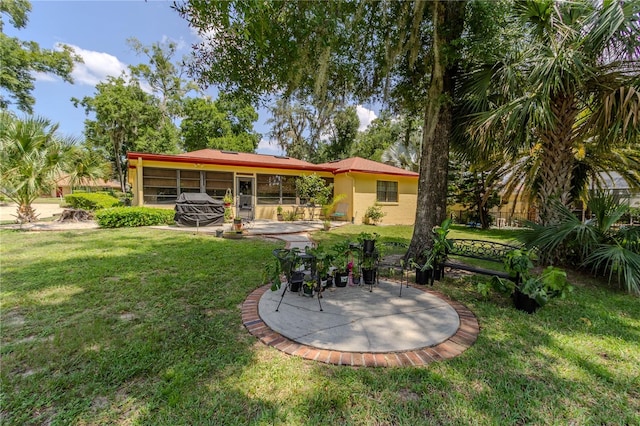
(105,326)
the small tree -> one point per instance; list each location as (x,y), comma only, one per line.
(314,190)
(32,155)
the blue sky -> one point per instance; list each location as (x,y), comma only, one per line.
(98,31)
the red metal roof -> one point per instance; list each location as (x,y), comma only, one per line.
(362,165)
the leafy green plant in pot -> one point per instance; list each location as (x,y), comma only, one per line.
(286,262)
(369,268)
(323,262)
(529,292)
(342,254)
(429,263)
(228,198)
(367,241)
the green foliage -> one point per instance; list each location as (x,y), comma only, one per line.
(91,200)
(598,244)
(21,60)
(524,103)
(127,316)
(313,189)
(342,253)
(374,214)
(435,255)
(226,124)
(329,208)
(32,156)
(286,261)
(119,217)
(380,134)
(551,283)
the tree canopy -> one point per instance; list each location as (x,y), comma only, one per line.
(22,59)
(226,123)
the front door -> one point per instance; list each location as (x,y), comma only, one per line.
(244,189)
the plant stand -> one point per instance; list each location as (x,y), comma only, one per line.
(306,259)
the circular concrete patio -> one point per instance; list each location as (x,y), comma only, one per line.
(361,328)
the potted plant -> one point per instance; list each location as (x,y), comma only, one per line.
(342,257)
(355,275)
(323,260)
(228,198)
(308,285)
(529,292)
(367,241)
(369,267)
(287,262)
(279,213)
(429,263)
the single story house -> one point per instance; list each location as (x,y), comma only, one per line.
(260,183)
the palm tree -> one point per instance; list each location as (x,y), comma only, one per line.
(575,81)
(86,166)
(596,243)
(32,155)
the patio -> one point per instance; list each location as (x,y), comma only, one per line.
(361,328)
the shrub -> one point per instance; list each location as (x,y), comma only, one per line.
(91,200)
(119,217)
(374,214)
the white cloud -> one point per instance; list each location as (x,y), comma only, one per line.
(96,67)
(43,76)
(366,116)
(269,147)
(180,43)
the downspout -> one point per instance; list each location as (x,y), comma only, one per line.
(353,196)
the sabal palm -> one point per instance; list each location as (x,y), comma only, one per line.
(32,155)
(596,243)
(575,79)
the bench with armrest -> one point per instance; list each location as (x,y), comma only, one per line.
(482,250)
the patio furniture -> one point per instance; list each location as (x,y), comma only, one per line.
(341,212)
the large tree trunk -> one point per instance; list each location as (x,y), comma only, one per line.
(448,19)
(557,159)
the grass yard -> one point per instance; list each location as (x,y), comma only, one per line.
(142,326)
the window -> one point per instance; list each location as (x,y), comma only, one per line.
(160,185)
(216,183)
(387,191)
(275,189)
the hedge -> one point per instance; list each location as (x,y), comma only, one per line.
(119,217)
(91,200)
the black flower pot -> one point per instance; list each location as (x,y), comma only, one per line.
(422,277)
(369,276)
(296,281)
(524,303)
(368,246)
(341,279)
(437,272)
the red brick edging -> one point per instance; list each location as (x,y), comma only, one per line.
(464,337)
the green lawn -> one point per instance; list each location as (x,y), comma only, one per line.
(142,326)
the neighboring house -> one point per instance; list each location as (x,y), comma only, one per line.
(63,186)
(260,183)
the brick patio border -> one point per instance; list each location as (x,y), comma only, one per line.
(464,337)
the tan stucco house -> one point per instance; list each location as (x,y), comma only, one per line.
(260,183)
